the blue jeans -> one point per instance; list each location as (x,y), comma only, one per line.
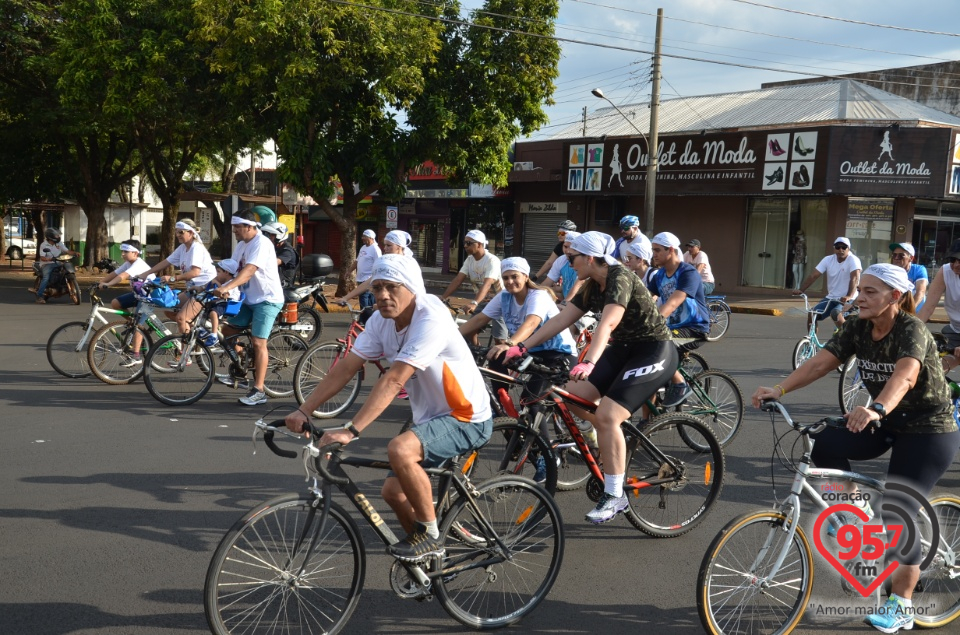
(708,287)
(366,299)
(46,272)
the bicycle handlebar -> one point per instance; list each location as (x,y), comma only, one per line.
(773,405)
(309,450)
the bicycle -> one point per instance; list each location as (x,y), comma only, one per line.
(671,480)
(297,563)
(181,368)
(67,345)
(719,316)
(757,574)
(810,344)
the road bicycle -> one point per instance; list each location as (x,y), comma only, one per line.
(297,563)
(181,368)
(757,574)
(719,316)
(675,464)
(810,344)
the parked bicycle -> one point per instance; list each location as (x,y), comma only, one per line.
(757,574)
(719,316)
(297,563)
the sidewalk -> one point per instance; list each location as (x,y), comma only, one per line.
(757,304)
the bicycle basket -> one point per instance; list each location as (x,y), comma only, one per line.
(233,306)
(164,297)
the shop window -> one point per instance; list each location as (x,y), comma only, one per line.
(608,211)
(870,228)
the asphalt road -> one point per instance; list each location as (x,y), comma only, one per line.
(113,504)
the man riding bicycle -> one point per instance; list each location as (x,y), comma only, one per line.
(451,410)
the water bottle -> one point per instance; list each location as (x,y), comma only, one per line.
(588,431)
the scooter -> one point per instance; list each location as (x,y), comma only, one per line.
(63,279)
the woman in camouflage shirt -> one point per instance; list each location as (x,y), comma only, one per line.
(898,363)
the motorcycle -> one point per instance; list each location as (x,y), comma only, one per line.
(63,279)
(298,315)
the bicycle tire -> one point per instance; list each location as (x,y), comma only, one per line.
(803,351)
(732,567)
(171,383)
(111,347)
(719,319)
(694,363)
(73,288)
(850,388)
(313,367)
(718,401)
(284,350)
(509,586)
(674,508)
(514,448)
(935,589)
(64,352)
(252,583)
(309,317)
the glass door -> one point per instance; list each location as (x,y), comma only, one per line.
(765,247)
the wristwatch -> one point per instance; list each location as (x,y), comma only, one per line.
(879,408)
(173,278)
(352,429)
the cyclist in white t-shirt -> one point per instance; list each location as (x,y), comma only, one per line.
(451,410)
(482,269)
(843,275)
(133,265)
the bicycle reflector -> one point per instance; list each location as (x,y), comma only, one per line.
(507,403)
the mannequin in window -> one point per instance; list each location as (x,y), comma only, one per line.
(799,248)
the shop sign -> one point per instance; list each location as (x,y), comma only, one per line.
(888,161)
(867,209)
(426,171)
(953,166)
(543,208)
(447,193)
(478,190)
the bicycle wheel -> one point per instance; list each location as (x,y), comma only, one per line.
(313,367)
(938,592)
(110,354)
(735,594)
(717,400)
(573,472)
(73,288)
(803,351)
(486,587)
(513,448)
(67,350)
(174,383)
(691,484)
(719,320)
(693,363)
(284,350)
(264,578)
(852,391)
(309,324)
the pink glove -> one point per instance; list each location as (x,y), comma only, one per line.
(513,351)
(583,368)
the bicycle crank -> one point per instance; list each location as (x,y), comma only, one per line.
(406,587)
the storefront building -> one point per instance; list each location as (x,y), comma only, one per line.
(767,188)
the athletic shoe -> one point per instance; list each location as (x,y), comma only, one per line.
(676,394)
(540,475)
(608,507)
(416,546)
(132,362)
(41,301)
(892,616)
(175,363)
(848,518)
(232,382)
(254,397)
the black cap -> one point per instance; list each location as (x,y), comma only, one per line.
(693,243)
(954,249)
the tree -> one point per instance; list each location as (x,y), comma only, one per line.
(361,93)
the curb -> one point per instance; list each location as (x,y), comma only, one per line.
(734,308)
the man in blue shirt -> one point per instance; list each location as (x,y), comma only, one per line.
(903,255)
(678,288)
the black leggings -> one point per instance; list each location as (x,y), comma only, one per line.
(916,460)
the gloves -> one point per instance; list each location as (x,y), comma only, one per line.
(582,369)
(513,351)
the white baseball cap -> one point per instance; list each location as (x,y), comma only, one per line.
(666,239)
(369,233)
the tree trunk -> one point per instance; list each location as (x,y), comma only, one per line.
(346,221)
(96,247)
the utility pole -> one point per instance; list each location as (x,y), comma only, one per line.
(584,121)
(649,199)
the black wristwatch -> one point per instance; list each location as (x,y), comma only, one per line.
(352,429)
(879,408)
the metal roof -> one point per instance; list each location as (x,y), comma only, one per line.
(837,101)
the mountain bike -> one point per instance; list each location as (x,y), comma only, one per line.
(297,563)
(810,344)
(719,316)
(757,574)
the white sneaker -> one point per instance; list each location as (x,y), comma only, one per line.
(254,397)
(607,509)
(132,362)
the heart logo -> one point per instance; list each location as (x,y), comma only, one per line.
(834,560)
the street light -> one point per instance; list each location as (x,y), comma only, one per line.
(651,191)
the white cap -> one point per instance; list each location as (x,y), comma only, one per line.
(397,268)
(641,249)
(477,236)
(596,244)
(515,264)
(907,247)
(666,239)
(891,275)
(842,239)
(369,233)
(229,265)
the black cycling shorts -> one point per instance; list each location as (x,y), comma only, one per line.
(630,373)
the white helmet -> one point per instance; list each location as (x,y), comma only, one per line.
(277,229)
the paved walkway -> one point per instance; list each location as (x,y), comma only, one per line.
(760,304)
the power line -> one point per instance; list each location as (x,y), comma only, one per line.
(847,20)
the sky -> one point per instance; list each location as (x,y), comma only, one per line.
(717,30)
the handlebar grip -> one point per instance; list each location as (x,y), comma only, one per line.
(268,439)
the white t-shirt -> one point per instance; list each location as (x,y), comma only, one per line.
(555,268)
(625,245)
(477,271)
(838,274)
(134,268)
(702,259)
(265,285)
(196,256)
(50,250)
(447,381)
(951,296)
(366,259)
(539,303)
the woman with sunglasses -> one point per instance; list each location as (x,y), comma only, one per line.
(843,275)
(196,269)
(639,341)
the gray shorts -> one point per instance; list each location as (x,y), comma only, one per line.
(498,327)
(446,437)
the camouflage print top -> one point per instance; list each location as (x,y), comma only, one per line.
(641,321)
(926,408)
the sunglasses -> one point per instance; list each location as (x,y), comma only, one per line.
(561,234)
(841,246)
(469,243)
(181,232)
(898,256)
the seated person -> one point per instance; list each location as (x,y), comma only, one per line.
(563,272)
(226,271)
(133,265)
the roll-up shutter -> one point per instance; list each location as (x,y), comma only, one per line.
(539,237)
